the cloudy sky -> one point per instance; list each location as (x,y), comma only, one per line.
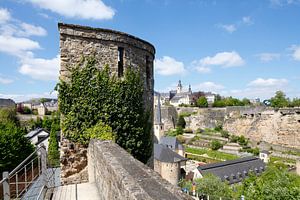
(235,47)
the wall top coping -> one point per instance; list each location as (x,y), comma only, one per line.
(109,31)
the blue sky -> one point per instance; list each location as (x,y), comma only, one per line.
(236,48)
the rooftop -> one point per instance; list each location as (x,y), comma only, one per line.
(234,171)
(164,154)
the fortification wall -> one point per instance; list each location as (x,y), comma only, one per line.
(168,117)
(118,175)
(263,125)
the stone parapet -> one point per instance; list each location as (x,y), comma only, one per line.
(119,176)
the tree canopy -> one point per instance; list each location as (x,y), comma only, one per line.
(279,100)
(14,147)
(202,102)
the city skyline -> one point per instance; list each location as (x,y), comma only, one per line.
(236,48)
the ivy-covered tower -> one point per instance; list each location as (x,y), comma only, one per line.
(119,51)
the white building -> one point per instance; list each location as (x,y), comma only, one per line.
(181,97)
(39,136)
(264,156)
(210,98)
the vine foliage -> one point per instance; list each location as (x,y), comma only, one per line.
(93,98)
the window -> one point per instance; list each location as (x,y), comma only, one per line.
(120,61)
(148,73)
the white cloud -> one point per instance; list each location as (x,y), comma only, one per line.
(39,68)
(208,86)
(17,46)
(24,97)
(5,80)
(270,82)
(296,53)
(284,2)
(29,30)
(224,59)
(267,57)
(260,88)
(85,9)
(230,28)
(247,20)
(4,15)
(203,70)
(168,66)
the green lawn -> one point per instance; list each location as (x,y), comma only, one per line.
(212,154)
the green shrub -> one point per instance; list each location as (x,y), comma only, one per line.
(91,95)
(216,144)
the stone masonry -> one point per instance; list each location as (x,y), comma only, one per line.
(118,175)
(113,48)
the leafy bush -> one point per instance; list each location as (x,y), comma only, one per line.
(26,110)
(53,152)
(181,139)
(99,131)
(14,147)
(202,102)
(91,95)
(225,134)
(216,144)
(219,127)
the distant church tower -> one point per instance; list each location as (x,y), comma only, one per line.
(179,87)
(190,89)
(158,125)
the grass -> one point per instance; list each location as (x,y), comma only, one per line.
(201,158)
(217,155)
(292,153)
(283,160)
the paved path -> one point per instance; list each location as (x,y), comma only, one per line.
(85,191)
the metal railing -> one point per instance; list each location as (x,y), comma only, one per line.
(16,183)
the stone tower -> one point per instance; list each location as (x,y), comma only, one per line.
(158,125)
(118,50)
(179,87)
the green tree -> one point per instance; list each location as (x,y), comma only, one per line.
(8,115)
(215,144)
(47,123)
(92,95)
(279,100)
(295,102)
(26,110)
(181,122)
(53,152)
(14,147)
(202,102)
(274,184)
(214,187)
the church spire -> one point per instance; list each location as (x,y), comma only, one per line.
(179,87)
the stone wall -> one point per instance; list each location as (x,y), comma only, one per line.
(280,127)
(73,158)
(168,117)
(78,41)
(118,175)
(263,125)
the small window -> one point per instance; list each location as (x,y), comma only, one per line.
(120,61)
(148,73)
